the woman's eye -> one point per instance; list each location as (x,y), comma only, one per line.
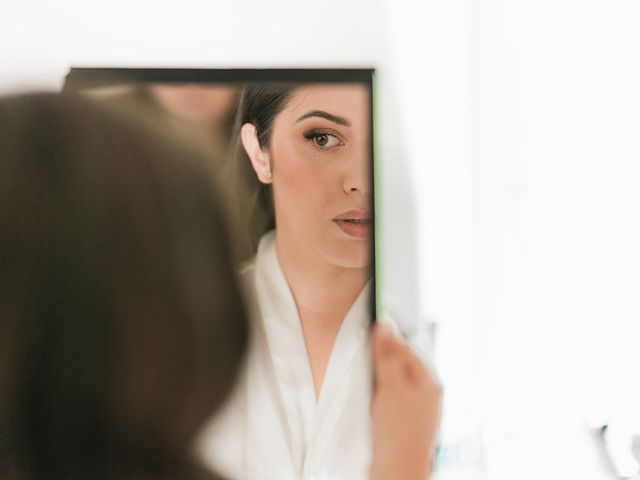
(324,139)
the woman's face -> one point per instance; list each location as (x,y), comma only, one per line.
(320,165)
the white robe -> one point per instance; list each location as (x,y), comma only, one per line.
(273,427)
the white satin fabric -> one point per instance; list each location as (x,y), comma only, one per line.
(273,427)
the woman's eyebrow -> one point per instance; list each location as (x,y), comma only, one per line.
(328,116)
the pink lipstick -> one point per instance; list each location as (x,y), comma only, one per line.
(355,223)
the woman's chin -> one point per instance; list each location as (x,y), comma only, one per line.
(355,257)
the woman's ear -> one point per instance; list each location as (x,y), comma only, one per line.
(259,158)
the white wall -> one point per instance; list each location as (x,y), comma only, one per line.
(42,38)
(521,121)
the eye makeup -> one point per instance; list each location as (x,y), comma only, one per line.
(323,139)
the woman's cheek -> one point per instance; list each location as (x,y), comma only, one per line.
(301,175)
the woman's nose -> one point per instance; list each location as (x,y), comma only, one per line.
(359,174)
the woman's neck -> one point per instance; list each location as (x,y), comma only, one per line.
(323,294)
(317,285)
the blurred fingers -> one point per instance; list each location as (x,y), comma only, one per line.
(397,363)
(387,361)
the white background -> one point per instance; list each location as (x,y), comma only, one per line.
(514,124)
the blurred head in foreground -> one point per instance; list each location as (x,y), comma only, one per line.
(121,327)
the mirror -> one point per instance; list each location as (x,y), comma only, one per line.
(292,154)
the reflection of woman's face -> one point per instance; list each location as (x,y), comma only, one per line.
(320,163)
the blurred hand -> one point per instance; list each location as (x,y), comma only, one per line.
(405,410)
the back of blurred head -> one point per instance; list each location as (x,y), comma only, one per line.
(121,327)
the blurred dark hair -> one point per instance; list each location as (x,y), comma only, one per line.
(121,325)
(259,104)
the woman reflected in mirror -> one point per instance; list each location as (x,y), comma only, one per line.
(302,406)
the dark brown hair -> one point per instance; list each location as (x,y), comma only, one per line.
(121,326)
(259,104)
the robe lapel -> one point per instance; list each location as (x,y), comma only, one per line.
(287,347)
(337,386)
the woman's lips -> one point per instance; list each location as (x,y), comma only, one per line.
(354,227)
